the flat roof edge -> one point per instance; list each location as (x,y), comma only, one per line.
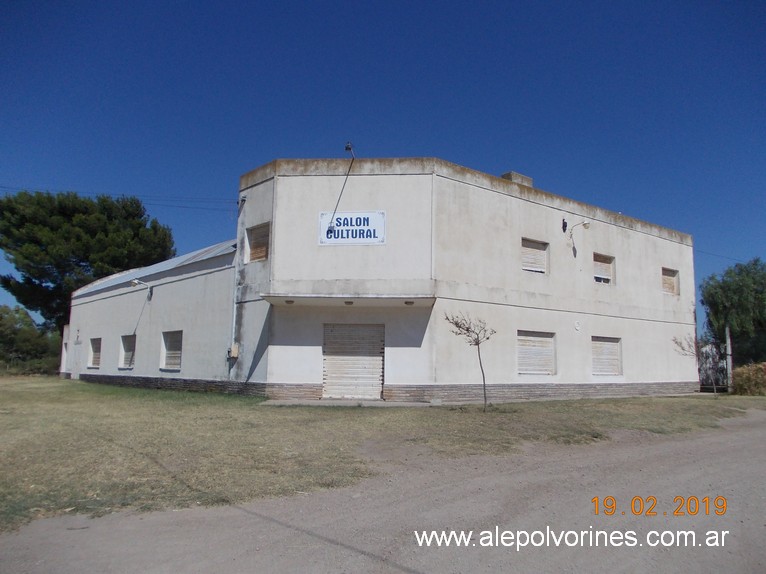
(450,170)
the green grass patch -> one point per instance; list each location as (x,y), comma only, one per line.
(69,446)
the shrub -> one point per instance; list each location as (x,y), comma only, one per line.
(45,366)
(750,379)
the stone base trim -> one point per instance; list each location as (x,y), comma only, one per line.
(409,393)
(174,384)
(281,391)
(520,391)
(270,390)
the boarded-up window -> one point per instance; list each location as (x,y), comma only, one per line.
(128,351)
(670,281)
(172,345)
(536,353)
(95,353)
(603,268)
(534,256)
(258,241)
(607,358)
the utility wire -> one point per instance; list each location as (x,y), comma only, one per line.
(719,255)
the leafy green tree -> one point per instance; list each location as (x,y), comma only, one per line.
(737,298)
(23,345)
(60,242)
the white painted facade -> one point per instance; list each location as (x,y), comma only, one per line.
(589,311)
(190,294)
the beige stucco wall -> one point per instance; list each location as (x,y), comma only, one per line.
(295,354)
(478,229)
(453,244)
(454,236)
(196,300)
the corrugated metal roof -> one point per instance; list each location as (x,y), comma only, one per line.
(125,277)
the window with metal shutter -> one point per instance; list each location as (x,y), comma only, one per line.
(536,353)
(173,346)
(353,359)
(258,241)
(606,356)
(534,256)
(95,353)
(670,281)
(128,350)
(603,268)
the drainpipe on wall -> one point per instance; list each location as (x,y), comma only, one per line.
(232,354)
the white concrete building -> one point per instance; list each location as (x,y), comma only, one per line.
(341,275)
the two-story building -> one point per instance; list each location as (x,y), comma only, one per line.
(341,275)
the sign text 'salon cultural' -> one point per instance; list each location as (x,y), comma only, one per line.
(352,228)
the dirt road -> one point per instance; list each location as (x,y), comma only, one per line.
(370,527)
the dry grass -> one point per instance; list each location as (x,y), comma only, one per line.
(69,446)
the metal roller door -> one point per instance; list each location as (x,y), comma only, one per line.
(353,360)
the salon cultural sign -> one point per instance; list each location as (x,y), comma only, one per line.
(352,228)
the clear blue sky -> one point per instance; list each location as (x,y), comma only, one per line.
(653,109)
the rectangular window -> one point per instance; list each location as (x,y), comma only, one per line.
(94,360)
(128,351)
(607,358)
(534,256)
(258,242)
(536,353)
(603,268)
(172,345)
(670,281)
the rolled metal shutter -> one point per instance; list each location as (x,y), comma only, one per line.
(670,281)
(353,361)
(536,353)
(533,256)
(606,356)
(173,348)
(602,268)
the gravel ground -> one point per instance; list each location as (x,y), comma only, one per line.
(370,527)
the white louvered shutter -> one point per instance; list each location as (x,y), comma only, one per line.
(606,356)
(603,268)
(670,281)
(536,353)
(173,349)
(128,350)
(534,256)
(95,352)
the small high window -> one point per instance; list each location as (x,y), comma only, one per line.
(607,358)
(670,281)
(127,351)
(94,358)
(534,256)
(258,242)
(172,346)
(536,353)
(603,268)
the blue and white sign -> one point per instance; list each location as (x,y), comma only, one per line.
(352,228)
